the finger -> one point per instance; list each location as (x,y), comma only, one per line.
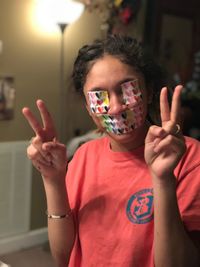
(45,115)
(37,143)
(170,127)
(42,167)
(170,143)
(56,149)
(154,132)
(173,129)
(176,104)
(164,106)
(33,122)
(42,163)
(35,156)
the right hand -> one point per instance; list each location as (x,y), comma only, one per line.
(46,153)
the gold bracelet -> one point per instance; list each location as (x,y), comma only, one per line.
(53,216)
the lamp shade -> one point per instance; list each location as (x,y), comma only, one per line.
(67,11)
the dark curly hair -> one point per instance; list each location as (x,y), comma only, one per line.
(129,51)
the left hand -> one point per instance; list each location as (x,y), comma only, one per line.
(165,145)
(46,153)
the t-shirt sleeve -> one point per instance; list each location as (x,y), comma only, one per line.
(188,194)
(189,200)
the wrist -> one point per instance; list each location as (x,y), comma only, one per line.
(57,216)
(166,180)
(57,180)
(57,200)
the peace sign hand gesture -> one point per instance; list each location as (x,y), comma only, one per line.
(164,146)
(45,152)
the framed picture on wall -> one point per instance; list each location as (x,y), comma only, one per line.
(7,97)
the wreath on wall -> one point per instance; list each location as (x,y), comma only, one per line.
(114,12)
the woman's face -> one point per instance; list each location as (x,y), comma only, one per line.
(116,98)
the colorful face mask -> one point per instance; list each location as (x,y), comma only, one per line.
(127,120)
(122,123)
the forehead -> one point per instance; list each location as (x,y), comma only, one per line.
(108,72)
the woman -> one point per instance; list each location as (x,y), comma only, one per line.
(131,198)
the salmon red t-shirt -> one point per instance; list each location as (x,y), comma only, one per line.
(111,195)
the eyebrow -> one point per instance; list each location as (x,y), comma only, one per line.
(128,79)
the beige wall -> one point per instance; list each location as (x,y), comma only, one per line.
(33,59)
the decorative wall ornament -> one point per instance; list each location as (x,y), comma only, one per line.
(114,12)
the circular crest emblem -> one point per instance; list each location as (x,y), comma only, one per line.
(140,207)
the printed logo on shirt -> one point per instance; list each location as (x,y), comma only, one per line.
(140,206)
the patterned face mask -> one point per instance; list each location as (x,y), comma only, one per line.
(127,120)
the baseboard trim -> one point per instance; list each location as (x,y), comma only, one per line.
(23,241)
